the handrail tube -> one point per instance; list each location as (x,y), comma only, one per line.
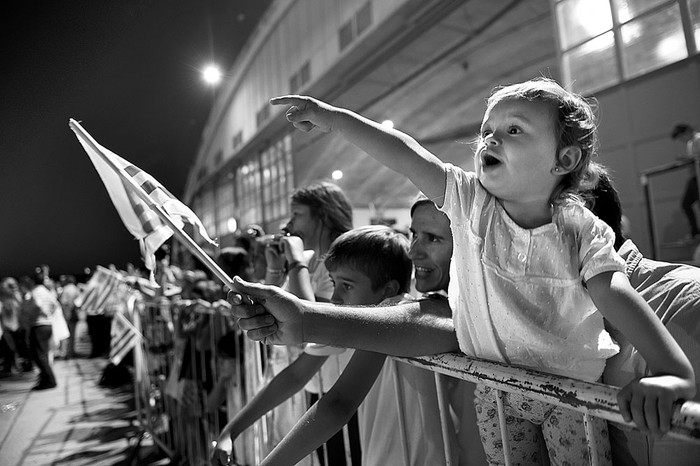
(587,397)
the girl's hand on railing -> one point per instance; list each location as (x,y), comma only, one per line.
(649,401)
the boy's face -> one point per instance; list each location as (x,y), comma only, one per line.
(354,288)
(517,151)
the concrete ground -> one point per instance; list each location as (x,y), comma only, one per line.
(77,423)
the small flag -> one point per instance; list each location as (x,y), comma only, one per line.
(138,216)
(124,338)
(98,289)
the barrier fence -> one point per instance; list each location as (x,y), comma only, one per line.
(186,388)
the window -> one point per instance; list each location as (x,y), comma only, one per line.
(300,78)
(237,140)
(355,26)
(262,115)
(225,207)
(276,163)
(605,42)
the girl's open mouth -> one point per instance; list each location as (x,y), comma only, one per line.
(488,160)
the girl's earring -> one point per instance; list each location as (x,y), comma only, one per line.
(556,169)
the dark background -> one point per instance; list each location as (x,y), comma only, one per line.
(129,71)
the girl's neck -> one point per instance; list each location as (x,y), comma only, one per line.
(529,215)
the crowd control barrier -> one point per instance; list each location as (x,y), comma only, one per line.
(186,388)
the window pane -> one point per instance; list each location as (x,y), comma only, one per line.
(695,18)
(592,66)
(582,19)
(628,9)
(653,41)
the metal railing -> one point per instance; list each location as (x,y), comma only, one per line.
(174,405)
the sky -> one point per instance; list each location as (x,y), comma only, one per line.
(129,72)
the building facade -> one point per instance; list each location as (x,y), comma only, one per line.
(427,66)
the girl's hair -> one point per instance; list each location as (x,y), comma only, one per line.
(376,251)
(575,124)
(328,202)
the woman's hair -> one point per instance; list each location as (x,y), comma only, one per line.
(328,202)
(377,251)
(575,123)
(604,201)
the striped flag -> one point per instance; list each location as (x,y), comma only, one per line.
(124,338)
(98,289)
(138,215)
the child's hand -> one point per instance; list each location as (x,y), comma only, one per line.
(649,401)
(307,113)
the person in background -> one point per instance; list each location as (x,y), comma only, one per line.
(673,290)
(10,303)
(39,306)
(686,134)
(68,292)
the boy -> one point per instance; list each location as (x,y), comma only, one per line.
(399,415)
(367,265)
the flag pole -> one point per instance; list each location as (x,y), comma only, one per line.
(180,234)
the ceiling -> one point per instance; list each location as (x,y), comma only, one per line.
(429,72)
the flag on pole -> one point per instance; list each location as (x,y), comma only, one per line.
(124,338)
(136,212)
(98,289)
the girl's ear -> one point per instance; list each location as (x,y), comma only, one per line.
(391,289)
(567,160)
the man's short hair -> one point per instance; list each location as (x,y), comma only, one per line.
(680,129)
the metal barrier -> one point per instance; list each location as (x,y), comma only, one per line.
(181,382)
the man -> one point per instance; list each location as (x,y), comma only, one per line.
(686,133)
(673,291)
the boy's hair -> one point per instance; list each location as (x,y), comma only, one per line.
(604,202)
(575,123)
(376,251)
(328,202)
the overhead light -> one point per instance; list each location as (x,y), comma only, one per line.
(337,174)
(211,75)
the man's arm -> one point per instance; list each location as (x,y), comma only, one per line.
(280,388)
(416,328)
(331,412)
(647,401)
(391,147)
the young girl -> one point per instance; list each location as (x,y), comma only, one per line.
(530,263)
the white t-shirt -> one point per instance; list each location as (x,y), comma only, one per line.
(517,294)
(400,392)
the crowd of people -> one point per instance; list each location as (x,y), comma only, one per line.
(523,260)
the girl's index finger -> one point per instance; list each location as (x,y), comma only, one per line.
(287,100)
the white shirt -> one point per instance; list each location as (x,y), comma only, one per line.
(518,294)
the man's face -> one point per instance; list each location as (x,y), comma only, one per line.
(431,248)
(351,287)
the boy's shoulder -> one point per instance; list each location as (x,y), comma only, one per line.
(398,299)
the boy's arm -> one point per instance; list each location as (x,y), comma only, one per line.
(391,147)
(331,412)
(647,401)
(416,328)
(280,388)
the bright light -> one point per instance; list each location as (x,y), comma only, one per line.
(231,225)
(388,124)
(337,174)
(211,75)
